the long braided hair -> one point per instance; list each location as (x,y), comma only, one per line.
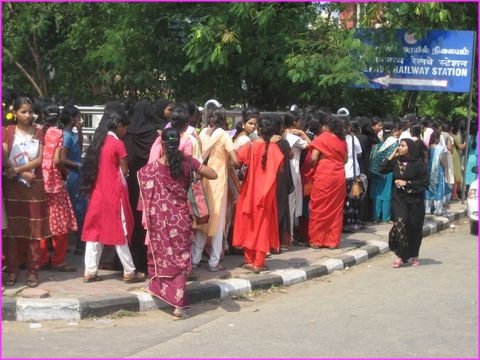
(171,140)
(266,129)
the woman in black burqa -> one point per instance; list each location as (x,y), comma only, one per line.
(141,134)
(410,176)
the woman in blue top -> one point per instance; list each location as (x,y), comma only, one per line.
(71,158)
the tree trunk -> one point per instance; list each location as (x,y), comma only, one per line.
(30,78)
(409,102)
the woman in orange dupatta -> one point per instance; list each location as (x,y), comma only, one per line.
(256,224)
(329,152)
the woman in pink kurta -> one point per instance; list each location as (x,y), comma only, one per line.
(328,191)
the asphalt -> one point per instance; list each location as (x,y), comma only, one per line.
(64,296)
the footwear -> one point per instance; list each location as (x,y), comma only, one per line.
(415,262)
(64,268)
(247,267)
(397,262)
(259,269)
(179,313)
(11,279)
(219,267)
(347,230)
(32,280)
(134,278)
(194,266)
(313,246)
(91,278)
(191,276)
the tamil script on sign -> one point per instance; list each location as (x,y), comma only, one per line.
(442,61)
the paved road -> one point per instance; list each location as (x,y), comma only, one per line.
(370,310)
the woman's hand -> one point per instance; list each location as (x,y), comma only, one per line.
(28,176)
(10,172)
(394,154)
(400,183)
(275,138)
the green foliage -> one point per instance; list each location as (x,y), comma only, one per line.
(90,53)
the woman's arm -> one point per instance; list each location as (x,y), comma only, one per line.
(234,158)
(58,162)
(124,166)
(67,162)
(387,165)
(314,158)
(207,172)
(31,164)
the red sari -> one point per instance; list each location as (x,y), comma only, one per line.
(256,224)
(328,191)
(169,225)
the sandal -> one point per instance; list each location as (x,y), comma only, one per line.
(179,313)
(32,281)
(134,278)
(91,278)
(259,269)
(191,276)
(11,279)
(415,262)
(64,268)
(397,262)
(247,267)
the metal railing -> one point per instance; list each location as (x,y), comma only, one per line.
(92,115)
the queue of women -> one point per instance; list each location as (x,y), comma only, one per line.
(273,182)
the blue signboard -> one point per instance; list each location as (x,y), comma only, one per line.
(442,61)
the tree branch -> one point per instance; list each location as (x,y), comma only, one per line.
(25,72)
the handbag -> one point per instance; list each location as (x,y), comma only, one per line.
(197,198)
(242,172)
(357,190)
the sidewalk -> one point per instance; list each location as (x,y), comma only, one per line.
(66,297)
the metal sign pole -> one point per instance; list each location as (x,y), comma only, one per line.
(465,159)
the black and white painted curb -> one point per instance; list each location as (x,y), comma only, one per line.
(75,309)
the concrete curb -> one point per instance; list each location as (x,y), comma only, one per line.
(23,309)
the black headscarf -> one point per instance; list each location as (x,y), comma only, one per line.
(159,107)
(144,119)
(412,151)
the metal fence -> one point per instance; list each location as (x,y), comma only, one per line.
(92,115)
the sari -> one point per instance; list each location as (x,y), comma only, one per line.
(437,187)
(328,192)
(169,225)
(256,220)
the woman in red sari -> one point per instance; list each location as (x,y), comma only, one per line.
(329,153)
(163,188)
(256,223)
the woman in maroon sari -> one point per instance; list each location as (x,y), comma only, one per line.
(329,153)
(163,187)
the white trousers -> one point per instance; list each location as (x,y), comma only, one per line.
(217,242)
(93,252)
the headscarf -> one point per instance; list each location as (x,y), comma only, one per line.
(144,119)
(412,151)
(141,133)
(159,107)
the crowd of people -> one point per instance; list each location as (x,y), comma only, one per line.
(271,181)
